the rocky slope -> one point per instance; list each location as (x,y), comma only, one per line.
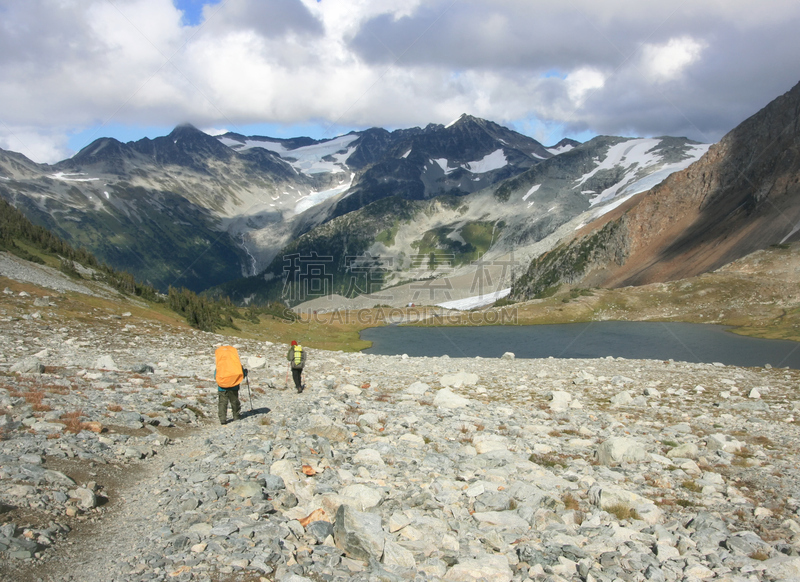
(113,467)
(743,195)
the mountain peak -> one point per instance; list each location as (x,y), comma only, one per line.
(185,130)
(465,119)
(104,154)
(458,119)
(563,146)
(566,142)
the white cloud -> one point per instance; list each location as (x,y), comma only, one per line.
(667,62)
(343,19)
(36,144)
(582,82)
(69,67)
(214,130)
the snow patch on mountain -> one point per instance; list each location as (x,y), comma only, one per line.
(444,164)
(635,155)
(791,234)
(306,159)
(456,120)
(315,198)
(476,301)
(493,161)
(70,177)
(531,191)
(561,149)
(620,194)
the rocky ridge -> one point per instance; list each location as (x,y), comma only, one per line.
(740,197)
(113,466)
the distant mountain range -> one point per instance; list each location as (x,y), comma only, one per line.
(246,216)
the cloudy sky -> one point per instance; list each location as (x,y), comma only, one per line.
(72,71)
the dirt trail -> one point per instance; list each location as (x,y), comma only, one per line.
(93,547)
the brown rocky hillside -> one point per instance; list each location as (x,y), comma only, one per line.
(742,196)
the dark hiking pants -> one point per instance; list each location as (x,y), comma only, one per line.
(297,376)
(225,396)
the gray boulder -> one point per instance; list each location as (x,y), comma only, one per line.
(248,489)
(325,427)
(621,449)
(86,498)
(359,534)
(445,398)
(723,442)
(143,369)
(273,482)
(488,568)
(28,366)
(624,398)
(459,379)
(319,530)
(684,451)
(105,363)
(396,555)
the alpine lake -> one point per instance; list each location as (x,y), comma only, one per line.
(685,342)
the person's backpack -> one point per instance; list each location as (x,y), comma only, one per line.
(298,359)
(229,367)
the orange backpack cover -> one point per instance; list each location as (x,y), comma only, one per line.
(229,367)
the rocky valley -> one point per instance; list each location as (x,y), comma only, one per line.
(114,467)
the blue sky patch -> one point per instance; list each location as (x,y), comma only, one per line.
(193,10)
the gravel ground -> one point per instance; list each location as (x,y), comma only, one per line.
(114,467)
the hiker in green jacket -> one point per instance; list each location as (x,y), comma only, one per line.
(297,359)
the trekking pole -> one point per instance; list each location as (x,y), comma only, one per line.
(286,383)
(249,393)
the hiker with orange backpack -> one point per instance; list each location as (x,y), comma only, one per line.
(229,374)
(297,360)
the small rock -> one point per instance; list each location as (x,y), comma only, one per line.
(86,498)
(105,363)
(445,398)
(459,379)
